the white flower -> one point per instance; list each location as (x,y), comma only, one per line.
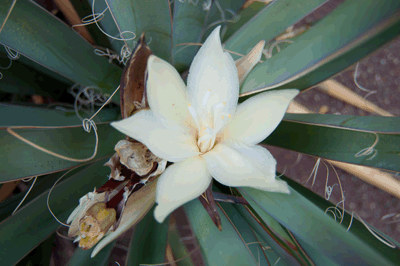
(203,130)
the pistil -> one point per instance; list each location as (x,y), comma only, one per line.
(209,122)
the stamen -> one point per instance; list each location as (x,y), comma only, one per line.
(211,143)
(219,106)
(203,138)
(209,122)
(206,97)
(194,115)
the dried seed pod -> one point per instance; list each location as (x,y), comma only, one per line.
(136,156)
(115,166)
(84,204)
(97,214)
(132,88)
(137,206)
(95,224)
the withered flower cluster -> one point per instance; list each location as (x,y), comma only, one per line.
(130,191)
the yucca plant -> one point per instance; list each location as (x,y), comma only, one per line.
(233,225)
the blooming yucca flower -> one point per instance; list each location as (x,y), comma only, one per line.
(202,129)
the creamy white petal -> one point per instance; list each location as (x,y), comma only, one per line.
(166,92)
(256,118)
(245,64)
(259,156)
(244,166)
(213,77)
(169,141)
(180,183)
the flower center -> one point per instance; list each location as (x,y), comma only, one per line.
(209,121)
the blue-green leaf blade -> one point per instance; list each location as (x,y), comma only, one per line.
(355,227)
(269,22)
(346,35)
(40,36)
(249,236)
(19,159)
(312,225)
(153,17)
(188,28)
(213,242)
(83,257)
(24,79)
(363,123)
(339,143)
(244,16)
(149,241)
(33,223)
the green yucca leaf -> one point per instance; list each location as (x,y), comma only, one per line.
(357,228)
(34,115)
(108,25)
(221,12)
(106,22)
(149,241)
(72,142)
(20,78)
(244,16)
(313,226)
(41,255)
(342,143)
(42,184)
(269,22)
(249,236)
(192,24)
(83,257)
(270,237)
(352,31)
(34,66)
(364,123)
(213,242)
(280,235)
(40,36)
(22,160)
(179,249)
(32,223)
(316,256)
(271,233)
(153,17)
(188,27)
